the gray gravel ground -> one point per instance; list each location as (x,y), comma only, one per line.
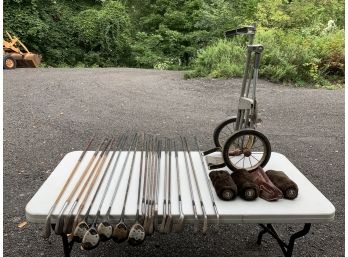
(50,112)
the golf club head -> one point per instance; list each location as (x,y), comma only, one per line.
(156,219)
(205,224)
(80,231)
(162,226)
(105,231)
(68,224)
(196,224)
(120,233)
(136,234)
(151,225)
(178,226)
(90,239)
(168,224)
(47,231)
(146,224)
(58,229)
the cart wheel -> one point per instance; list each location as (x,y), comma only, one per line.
(246,149)
(9,63)
(224,131)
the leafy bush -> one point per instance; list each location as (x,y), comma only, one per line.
(292,57)
(221,59)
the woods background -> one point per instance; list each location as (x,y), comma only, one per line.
(303,39)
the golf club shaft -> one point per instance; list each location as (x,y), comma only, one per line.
(207,180)
(130,176)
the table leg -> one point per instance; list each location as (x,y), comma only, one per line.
(67,246)
(287,248)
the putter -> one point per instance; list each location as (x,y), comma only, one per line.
(164,217)
(105,228)
(82,227)
(196,222)
(137,232)
(60,220)
(168,225)
(120,232)
(178,225)
(47,231)
(68,228)
(208,182)
(205,218)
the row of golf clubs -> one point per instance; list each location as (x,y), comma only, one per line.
(151,151)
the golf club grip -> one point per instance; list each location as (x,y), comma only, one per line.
(77,185)
(73,171)
(96,175)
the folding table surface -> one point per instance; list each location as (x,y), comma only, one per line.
(311,206)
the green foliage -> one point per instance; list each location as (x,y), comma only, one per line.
(221,59)
(292,57)
(303,39)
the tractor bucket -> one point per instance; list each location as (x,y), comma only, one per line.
(32,60)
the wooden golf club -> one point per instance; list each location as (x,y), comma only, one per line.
(91,237)
(60,220)
(196,222)
(168,225)
(68,227)
(208,181)
(105,228)
(205,218)
(47,231)
(83,226)
(178,225)
(137,232)
(120,232)
(164,217)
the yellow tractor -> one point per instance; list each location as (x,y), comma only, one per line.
(14,57)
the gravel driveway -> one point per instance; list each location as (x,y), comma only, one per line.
(50,112)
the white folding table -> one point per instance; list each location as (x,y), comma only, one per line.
(311,206)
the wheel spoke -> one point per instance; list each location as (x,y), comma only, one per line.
(255,158)
(250,162)
(228,126)
(239,159)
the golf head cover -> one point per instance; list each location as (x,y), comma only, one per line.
(268,191)
(288,187)
(224,186)
(247,188)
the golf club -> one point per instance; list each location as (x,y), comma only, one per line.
(47,231)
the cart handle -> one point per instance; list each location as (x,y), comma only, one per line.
(247,30)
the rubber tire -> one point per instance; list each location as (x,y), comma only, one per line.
(242,133)
(6,57)
(219,128)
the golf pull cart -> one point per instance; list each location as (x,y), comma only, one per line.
(242,146)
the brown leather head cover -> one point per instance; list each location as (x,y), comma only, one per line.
(268,191)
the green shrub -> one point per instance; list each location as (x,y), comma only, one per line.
(221,59)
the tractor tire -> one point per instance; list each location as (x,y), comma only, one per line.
(9,62)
